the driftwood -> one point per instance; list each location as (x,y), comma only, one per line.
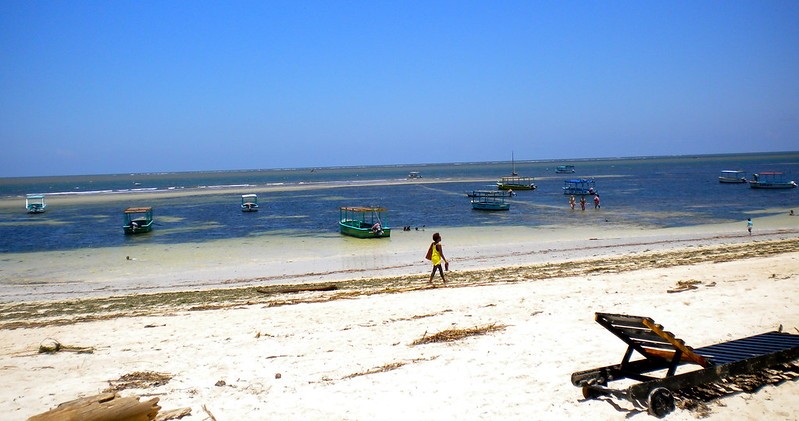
(102,407)
(291,289)
(173,414)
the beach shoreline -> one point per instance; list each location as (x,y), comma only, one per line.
(275,259)
(348,353)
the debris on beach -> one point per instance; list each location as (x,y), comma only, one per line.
(51,346)
(105,406)
(138,380)
(451,335)
(685,286)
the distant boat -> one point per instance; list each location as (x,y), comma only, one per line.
(489,200)
(249,203)
(363,222)
(138,220)
(35,203)
(514,181)
(579,187)
(414,174)
(564,169)
(771,180)
(732,177)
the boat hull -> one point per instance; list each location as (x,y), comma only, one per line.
(772,186)
(141,229)
(725,180)
(359,230)
(491,206)
(505,186)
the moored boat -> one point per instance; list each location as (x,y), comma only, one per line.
(138,220)
(771,180)
(249,203)
(414,174)
(564,169)
(363,221)
(489,200)
(732,176)
(515,182)
(579,187)
(35,203)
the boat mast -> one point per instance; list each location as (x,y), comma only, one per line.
(513,165)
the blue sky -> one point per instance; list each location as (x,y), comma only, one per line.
(139,86)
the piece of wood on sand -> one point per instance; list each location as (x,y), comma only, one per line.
(102,407)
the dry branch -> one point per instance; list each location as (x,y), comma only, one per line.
(451,335)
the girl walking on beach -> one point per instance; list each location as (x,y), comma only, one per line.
(436,254)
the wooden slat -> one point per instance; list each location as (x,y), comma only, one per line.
(688,352)
(641,335)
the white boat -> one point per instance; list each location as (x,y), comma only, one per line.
(35,203)
(732,176)
(249,203)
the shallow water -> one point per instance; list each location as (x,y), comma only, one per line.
(645,192)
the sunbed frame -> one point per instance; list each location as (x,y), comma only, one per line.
(664,352)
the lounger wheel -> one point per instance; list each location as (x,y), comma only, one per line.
(660,402)
(590,393)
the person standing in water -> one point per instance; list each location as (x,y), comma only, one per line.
(436,255)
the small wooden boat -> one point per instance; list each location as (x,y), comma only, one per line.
(564,169)
(514,181)
(771,180)
(249,203)
(414,174)
(489,200)
(579,187)
(363,222)
(138,220)
(732,177)
(35,203)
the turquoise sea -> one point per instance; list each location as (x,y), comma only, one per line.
(646,192)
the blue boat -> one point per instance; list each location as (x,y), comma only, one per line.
(489,200)
(35,203)
(579,187)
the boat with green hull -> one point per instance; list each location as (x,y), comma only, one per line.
(35,203)
(363,222)
(489,200)
(514,181)
(138,220)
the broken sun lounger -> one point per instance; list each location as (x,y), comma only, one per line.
(664,352)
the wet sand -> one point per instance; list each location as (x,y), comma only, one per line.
(239,331)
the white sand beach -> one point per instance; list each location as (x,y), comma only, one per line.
(329,355)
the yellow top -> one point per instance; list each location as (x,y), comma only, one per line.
(436,257)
